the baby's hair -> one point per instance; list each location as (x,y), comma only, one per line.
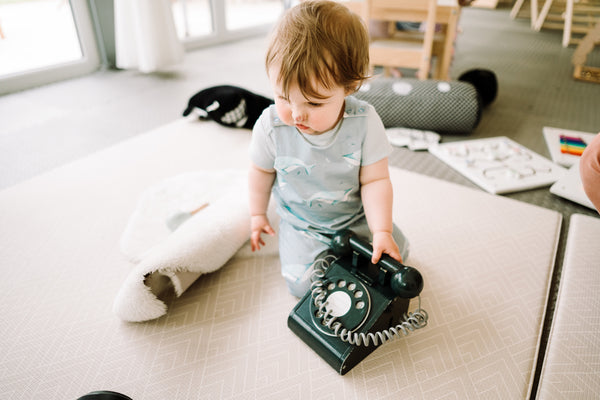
(319,43)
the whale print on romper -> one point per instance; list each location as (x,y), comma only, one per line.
(288,165)
(317,184)
(291,165)
(329,197)
(353,158)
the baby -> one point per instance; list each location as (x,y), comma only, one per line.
(322,153)
(589,169)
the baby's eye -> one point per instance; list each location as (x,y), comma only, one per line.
(283,98)
(315,104)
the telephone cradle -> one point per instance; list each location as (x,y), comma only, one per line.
(354,306)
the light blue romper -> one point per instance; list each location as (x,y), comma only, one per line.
(317,187)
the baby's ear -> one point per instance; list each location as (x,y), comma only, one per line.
(352,88)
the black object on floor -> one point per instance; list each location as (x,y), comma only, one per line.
(104,395)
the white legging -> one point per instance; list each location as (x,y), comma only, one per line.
(299,248)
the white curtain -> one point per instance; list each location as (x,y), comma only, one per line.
(145,35)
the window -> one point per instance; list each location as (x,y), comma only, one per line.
(241,14)
(44,41)
(202,22)
(193,18)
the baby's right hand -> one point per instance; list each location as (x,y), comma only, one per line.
(259,224)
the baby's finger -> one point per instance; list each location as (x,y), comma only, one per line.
(395,255)
(376,255)
(255,241)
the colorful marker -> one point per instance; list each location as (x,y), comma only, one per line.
(571,145)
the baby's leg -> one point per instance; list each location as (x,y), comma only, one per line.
(297,253)
(298,250)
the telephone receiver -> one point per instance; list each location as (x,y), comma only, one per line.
(354,306)
(405,281)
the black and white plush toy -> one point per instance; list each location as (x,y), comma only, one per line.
(228,105)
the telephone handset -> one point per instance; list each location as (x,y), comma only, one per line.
(353,305)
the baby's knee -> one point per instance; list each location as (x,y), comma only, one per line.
(297,277)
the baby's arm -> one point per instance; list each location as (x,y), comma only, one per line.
(589,169)
(260,183)
(377,196)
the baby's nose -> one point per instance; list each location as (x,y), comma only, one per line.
(298,115)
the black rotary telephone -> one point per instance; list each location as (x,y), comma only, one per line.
(353,305)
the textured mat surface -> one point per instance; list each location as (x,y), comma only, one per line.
(487,263)
(572,363)
(425,163)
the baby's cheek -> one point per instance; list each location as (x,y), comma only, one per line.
(284,113)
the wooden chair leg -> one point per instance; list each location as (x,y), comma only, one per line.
(445,59)
(587,44)
(534,12)
(568,24)
(587,74)
(542,16)
(516,8)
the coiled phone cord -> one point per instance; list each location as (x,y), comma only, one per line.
(412,321)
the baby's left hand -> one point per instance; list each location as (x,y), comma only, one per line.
(383,242)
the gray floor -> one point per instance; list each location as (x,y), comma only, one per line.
(49,126)
(52,125)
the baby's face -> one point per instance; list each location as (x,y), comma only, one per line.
(311,116)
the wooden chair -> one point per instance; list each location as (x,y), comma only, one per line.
(574,17)
(581,17)
(412,50)
(357,6)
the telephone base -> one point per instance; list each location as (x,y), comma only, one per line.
(386,310)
